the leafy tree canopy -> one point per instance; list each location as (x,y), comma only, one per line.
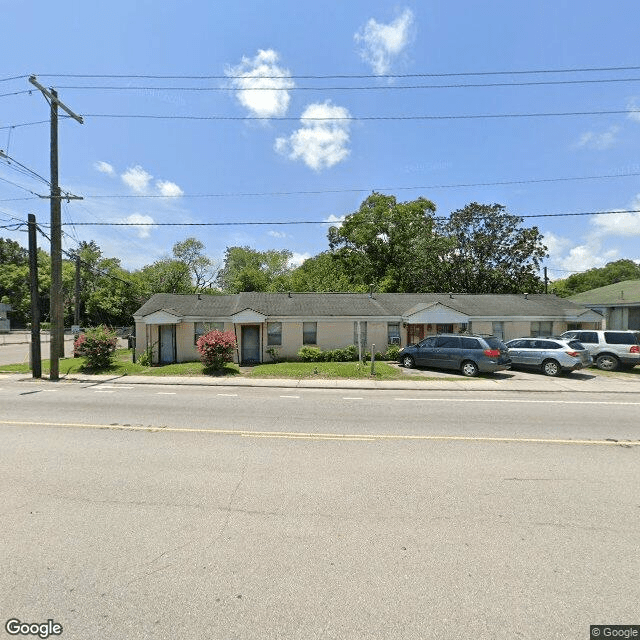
(247,269)
(612,272)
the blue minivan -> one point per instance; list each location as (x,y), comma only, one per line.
(468,354)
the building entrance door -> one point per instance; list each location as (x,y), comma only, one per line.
(167,343)
(250,344)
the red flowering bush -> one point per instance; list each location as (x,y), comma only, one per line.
(216,348)
(97,346)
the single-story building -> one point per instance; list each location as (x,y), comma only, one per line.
(619,303)
(171,324)
(5,325)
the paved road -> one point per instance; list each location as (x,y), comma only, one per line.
(278,513)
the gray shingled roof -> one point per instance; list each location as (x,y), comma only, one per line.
(358,304)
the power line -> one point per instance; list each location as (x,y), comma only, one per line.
(15,93)
(347,88)
(306,222)
(147,116)
(377,189)
(14,78)
(12,162)
(342,76)
(19,186)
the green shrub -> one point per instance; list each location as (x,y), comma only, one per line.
(310,354)
(216,348)
(392,352)
(97,346)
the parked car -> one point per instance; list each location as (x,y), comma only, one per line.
(552,356)
(467,354)
(610,349)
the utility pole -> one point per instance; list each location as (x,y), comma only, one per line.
(546,280)
(36,360)
(76,315)
(57,309)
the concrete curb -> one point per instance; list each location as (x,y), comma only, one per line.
(542,385)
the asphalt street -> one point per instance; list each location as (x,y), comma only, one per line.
(161,511)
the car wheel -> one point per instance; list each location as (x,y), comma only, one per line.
(551,368)
(607,362)
(469,369)
(407,361)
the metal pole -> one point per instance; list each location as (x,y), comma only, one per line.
(76,311)
(36,359)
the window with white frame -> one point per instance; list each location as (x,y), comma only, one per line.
(542,328)
(309,333)
(274,334)
(363,332)
(202,328)
(393,333)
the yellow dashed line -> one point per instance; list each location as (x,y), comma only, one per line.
(293,435)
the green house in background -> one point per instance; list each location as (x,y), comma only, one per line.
(619,303)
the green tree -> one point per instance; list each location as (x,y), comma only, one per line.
(247,269)
(393,245)
(328,271)
(165,276)
(201,268)
(491,252)
(612,272)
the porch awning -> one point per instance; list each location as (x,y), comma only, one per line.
(435,313)
(164,316)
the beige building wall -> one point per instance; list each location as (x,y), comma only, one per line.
(521,329)
(481,326)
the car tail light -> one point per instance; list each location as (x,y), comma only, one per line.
(492,353)
(634,349)
(573,354)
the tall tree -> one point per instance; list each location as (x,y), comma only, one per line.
(393,245)
(165,276)
(201,268)
(492,252)
(328,271)
(247,269)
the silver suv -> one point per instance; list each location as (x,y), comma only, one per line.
(552,356)
(610,349)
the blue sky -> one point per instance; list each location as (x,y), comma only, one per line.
(164,163)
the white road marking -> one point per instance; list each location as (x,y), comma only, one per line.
(352,398)
(290,397)
(505,401)
(166,393)
(229,395)
(103,391)
(116,386)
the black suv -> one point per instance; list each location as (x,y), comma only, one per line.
(467,354)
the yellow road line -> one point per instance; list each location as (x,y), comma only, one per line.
(295,435)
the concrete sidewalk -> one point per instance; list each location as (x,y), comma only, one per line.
(506,382)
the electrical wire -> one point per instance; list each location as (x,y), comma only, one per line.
(308,222)
(346,88)
(19,186)
(361,118)
(375,189)
(343,76)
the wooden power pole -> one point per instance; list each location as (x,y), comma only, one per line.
(57,297)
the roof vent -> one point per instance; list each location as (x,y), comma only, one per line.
(199,297)
(371,290)
(289,293)
(450,294)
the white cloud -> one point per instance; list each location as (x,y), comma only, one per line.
(381,43)
(634,107)
(137,179)
(145,222)
(104,167)
(276,234)
(169,189)
(262,85)
(321,141)
(298,258)
(556,245)
(599,141)
(620,223)
(335,221)
(587,256)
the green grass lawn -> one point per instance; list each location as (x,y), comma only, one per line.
(325,370)
(124,366)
